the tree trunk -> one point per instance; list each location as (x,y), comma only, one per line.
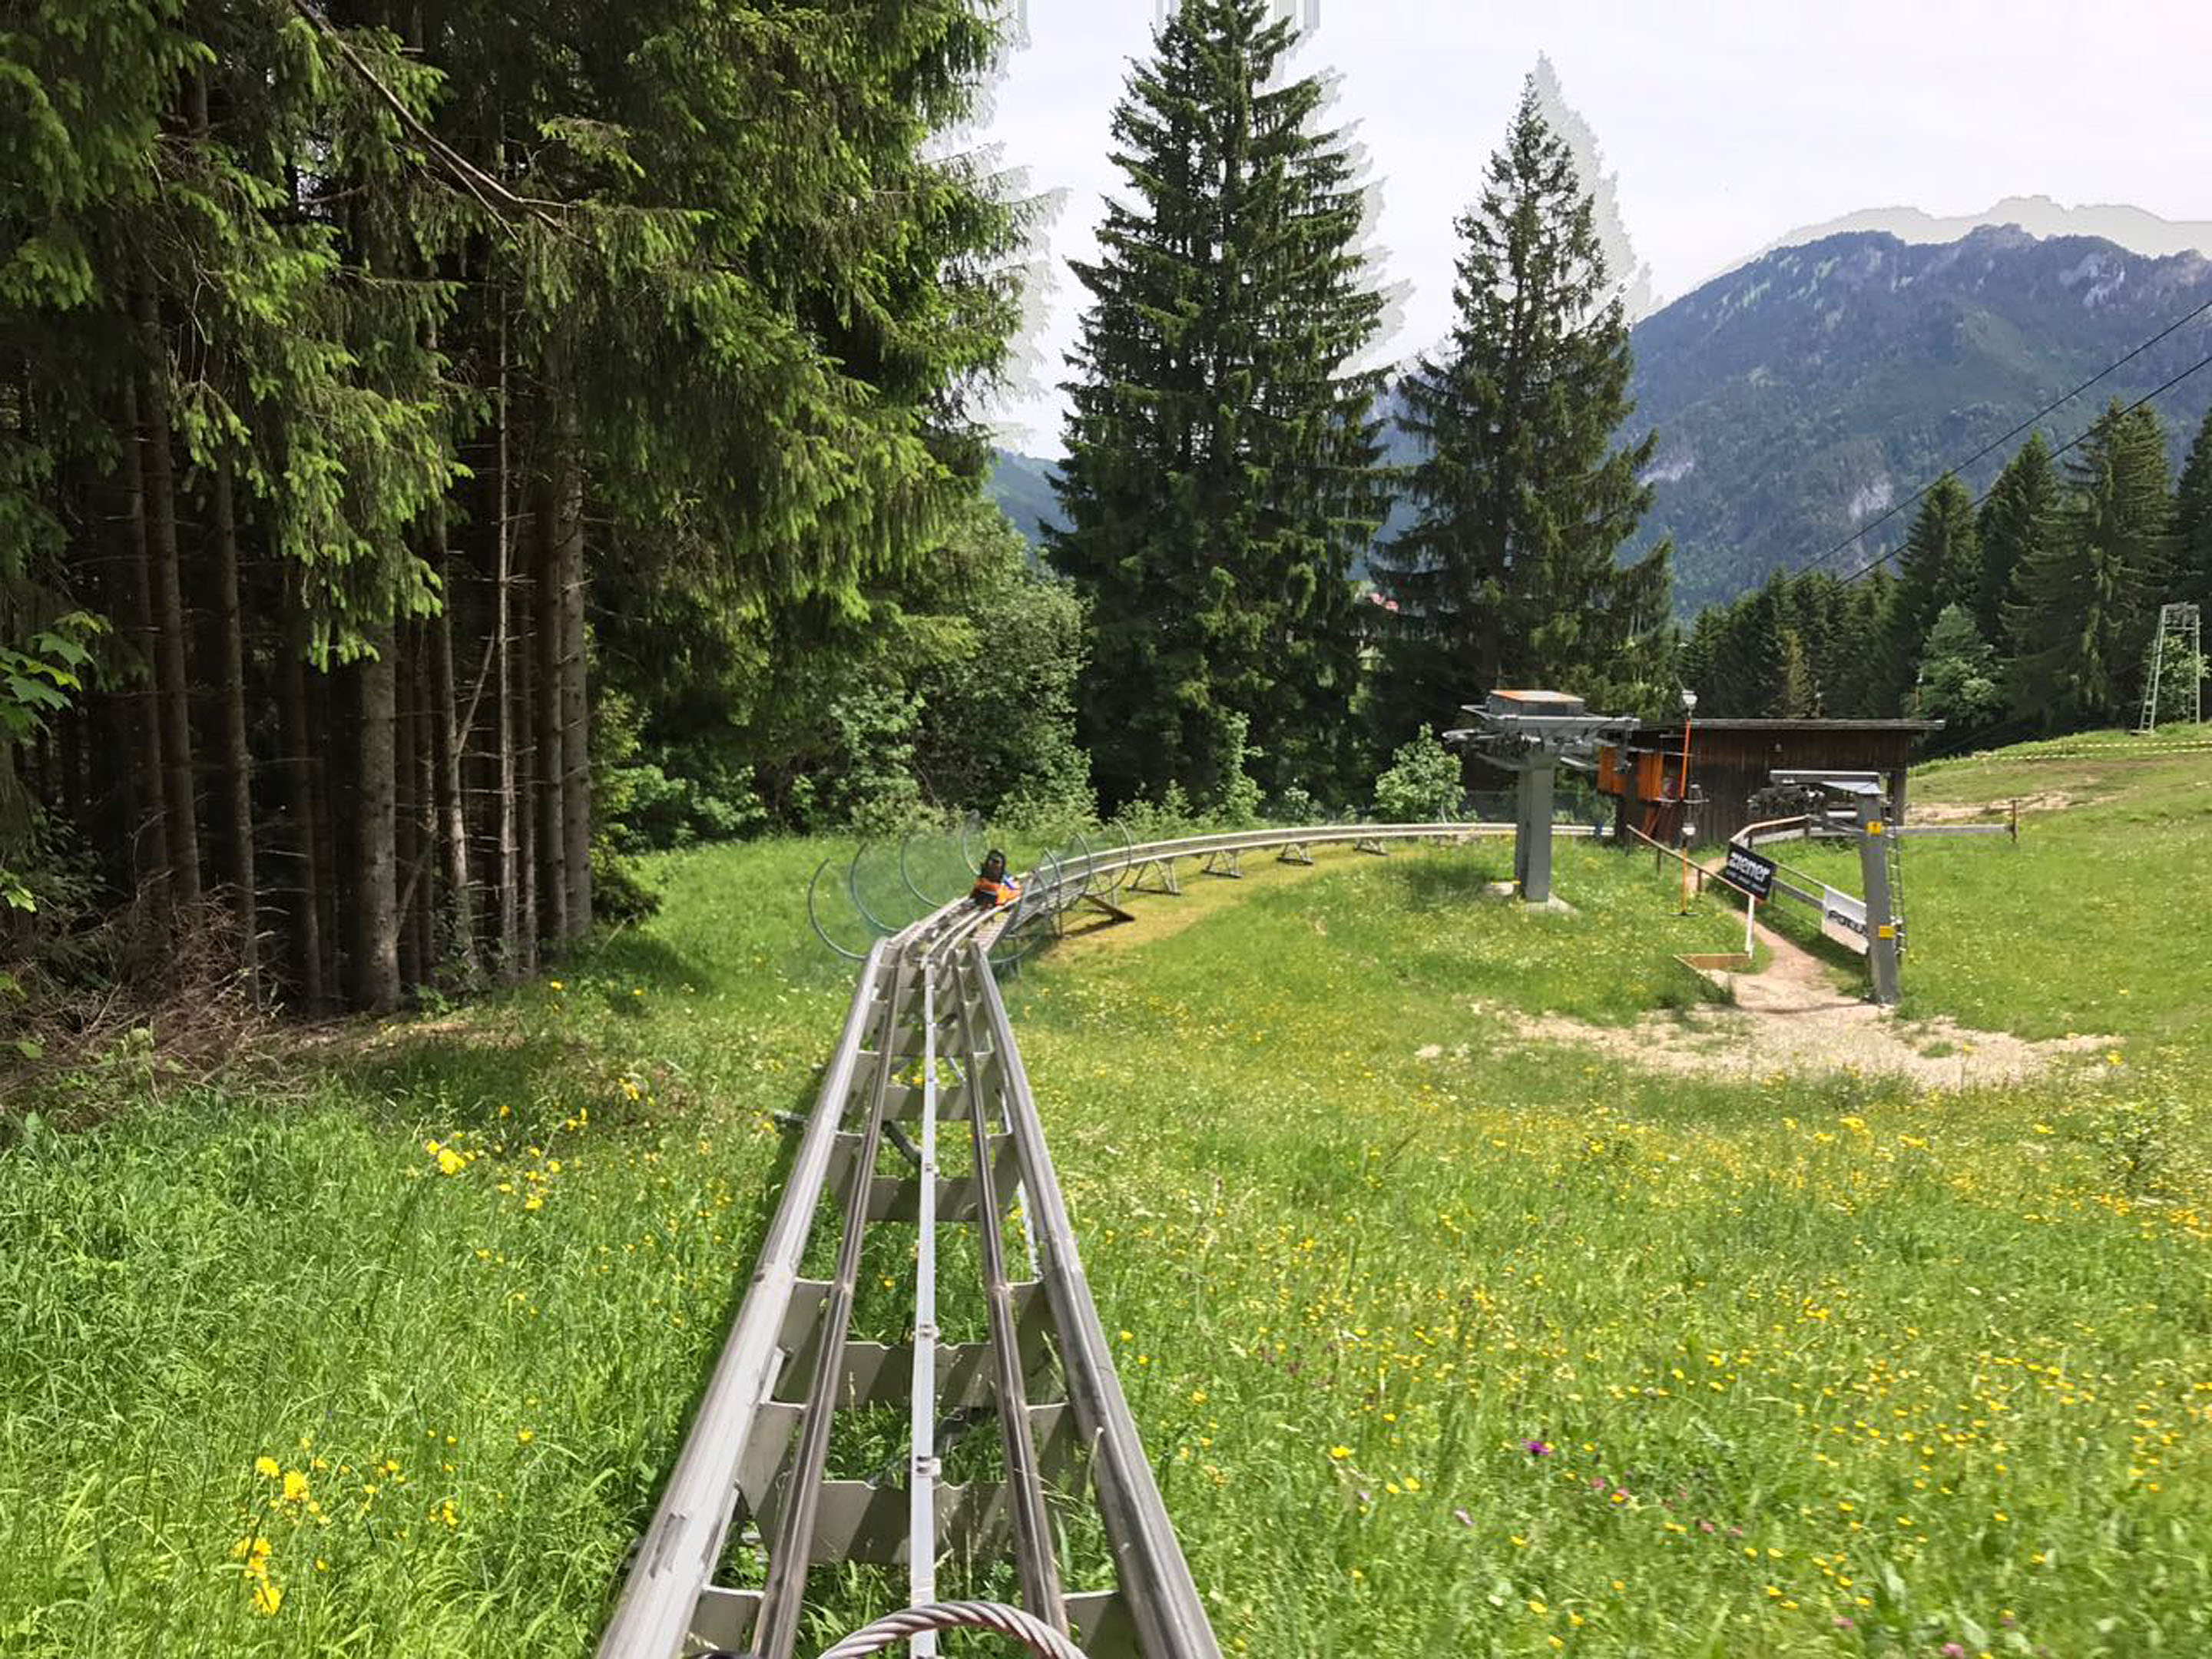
(502,643)
(237,756)
(306,837)
(526,783)
(332,775)
(503,646)
(406,848)
(376,896)
(551,630)
(450,741)
(149,833)
(170,671)
(575,731)
(429,874)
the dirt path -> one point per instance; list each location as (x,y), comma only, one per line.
(1793,1018)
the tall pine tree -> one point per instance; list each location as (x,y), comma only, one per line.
(2192,522)
(1221,472)
(2017,522)
(2082,607)
(1942,566)
(388,364)
(1510,574)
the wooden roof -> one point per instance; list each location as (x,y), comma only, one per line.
(1780,727)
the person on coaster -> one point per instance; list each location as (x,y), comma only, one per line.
(994,887)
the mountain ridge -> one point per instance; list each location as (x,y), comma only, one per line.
(1800,395)
(2137,229)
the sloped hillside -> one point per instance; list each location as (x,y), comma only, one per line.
(1801,395)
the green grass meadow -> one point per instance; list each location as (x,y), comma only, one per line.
(1442,1342)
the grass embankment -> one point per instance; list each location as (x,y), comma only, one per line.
(1442,1343)
(2095,921)
(386,1354)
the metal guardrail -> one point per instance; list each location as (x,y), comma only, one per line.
(926,1039)
(1095,867)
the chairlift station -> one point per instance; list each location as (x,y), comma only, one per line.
(1532,734)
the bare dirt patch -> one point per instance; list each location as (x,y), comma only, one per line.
(1990,811)
(1793,1019)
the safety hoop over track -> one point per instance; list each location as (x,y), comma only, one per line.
(926,1041)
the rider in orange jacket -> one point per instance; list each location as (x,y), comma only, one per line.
(994,887)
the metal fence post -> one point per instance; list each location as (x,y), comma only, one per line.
(1881,924)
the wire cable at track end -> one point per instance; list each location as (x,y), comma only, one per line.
(1032,1632)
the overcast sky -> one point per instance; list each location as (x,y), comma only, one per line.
(1729,122)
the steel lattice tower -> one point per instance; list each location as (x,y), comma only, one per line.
(2179,624)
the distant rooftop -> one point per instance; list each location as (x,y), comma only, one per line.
(1793,725)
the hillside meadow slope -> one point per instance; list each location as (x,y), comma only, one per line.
(1442,1340)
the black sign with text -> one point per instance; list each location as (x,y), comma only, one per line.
(1751,872)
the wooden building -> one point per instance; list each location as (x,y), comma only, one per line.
(1729,762)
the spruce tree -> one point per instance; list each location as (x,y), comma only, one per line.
(1860,686)
(1797,695)
(2017,521)
(2192,523)
(1815,604)
(1941,567)
(1510,573)
(2082,607)
(421,376)
(1754,661)
(1221,472)
(1959,679)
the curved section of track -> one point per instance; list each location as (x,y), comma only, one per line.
(927,1043)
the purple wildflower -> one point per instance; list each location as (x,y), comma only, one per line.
(1536,1448)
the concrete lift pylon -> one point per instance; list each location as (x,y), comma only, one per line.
(1877,836)
(1532,734)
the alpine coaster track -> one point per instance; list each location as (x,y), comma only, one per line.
(927,1044)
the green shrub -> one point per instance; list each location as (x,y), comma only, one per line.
(1423,782)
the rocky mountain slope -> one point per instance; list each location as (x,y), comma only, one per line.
(1799,397)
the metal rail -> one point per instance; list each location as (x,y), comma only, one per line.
(928,1038)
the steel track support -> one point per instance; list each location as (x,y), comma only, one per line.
(782,1599)
(668,1596)
(1156,876)
(1035,1559)
(922,1465)
(1155,1581)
